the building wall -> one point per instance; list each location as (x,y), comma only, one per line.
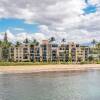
(48,52)
(25,52)
(20,53)
(80,56)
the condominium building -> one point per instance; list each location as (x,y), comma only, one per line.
(19,53)
(75,53)
(63,52)
(24,52)
(47,51)
(86,50)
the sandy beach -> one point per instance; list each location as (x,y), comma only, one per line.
(48,68)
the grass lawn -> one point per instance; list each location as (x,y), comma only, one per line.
(40,63)
(26,63)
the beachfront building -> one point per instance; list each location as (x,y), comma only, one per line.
(63,53)
(71,52)
(53,51)
(47,51)
(75,53)
(86,50)
(24,52)
(19,53)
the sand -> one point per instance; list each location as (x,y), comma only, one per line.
(48,68)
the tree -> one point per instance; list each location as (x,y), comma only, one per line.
(98,50)
(5,44)
(35,42)
(0,43)
(93,42)
(90,58)
(26,41)
(18,43)
(63,40)
(98,45)
(52,39)
(5,50)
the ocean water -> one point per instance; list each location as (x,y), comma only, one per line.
(51,86)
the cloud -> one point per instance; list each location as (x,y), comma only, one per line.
(22,36)
(94,2)
(18,29)
(58,18)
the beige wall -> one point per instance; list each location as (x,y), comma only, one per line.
(19,53)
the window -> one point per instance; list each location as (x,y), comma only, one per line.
(12,49)
(54,45)
(25,50)
(25,57)
(77,45)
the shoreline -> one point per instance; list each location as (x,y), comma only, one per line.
(48,68)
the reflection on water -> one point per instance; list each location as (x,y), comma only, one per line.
(50,86)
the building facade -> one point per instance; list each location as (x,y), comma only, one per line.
(47,52)
(24,52)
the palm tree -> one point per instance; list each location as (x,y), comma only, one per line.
(93,42)
(18,43)
(0,43)
(52,39)
(26,41)
(63,40)
(35,42)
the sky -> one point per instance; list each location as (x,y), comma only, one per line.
(74,20)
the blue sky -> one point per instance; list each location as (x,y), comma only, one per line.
(50,17)
(12,24)
(90,9)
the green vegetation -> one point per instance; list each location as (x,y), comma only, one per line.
(5,49)
(27,63)
(2,63)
